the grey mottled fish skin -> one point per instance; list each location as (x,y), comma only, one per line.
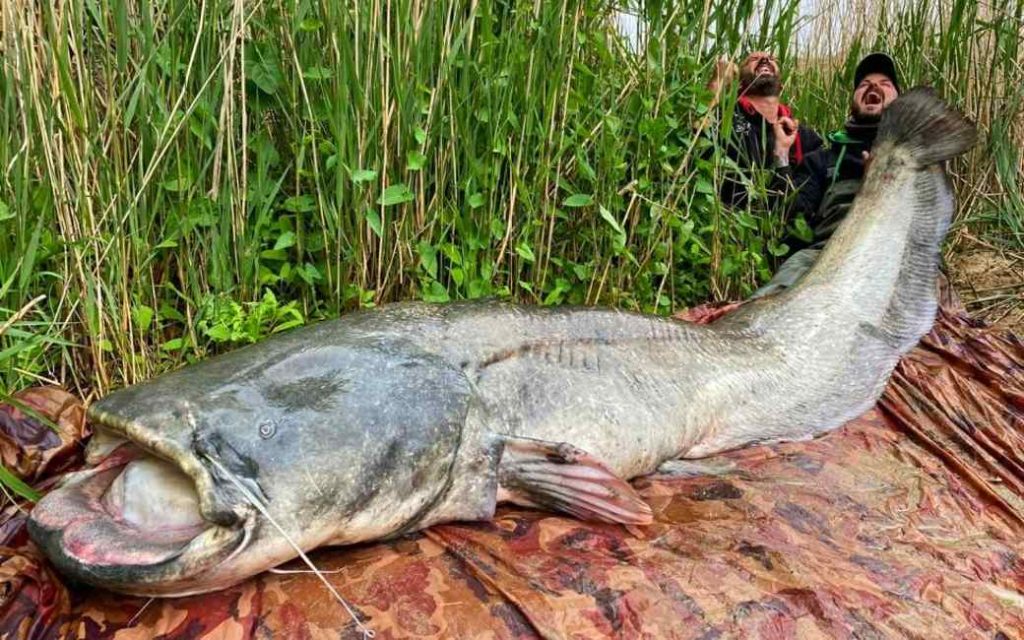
(390,420)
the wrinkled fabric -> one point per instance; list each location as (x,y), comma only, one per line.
(906,522)
(41,433)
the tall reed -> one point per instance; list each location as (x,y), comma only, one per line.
(182,176)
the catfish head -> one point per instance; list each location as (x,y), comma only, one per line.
(334,443)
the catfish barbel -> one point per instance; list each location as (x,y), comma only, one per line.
(387,421)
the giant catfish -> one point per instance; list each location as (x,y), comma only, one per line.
(390,420)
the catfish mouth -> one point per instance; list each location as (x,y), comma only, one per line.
(133,523)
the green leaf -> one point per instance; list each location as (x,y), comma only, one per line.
(167,312)
(143,316)
(610,219)
(173,344)
(310,273)
(218,333)
(803,230)
(274,254)
(428,258)
(525,252)
(263,71)
(177,185)
(169,243)
(318,73)
(435,293)
(373,219)
(17,485)
(300,204)
(396,194)
(420,135)
(578,200)
(285,240)
(704,186)
(29,257)
(778,249)
(476,200)
(5,212)
(310,24)
(415,161)
(363,175)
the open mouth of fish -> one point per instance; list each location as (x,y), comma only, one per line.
(130,519)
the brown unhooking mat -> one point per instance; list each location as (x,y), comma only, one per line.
(905,523)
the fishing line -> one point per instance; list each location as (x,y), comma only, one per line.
(366,631)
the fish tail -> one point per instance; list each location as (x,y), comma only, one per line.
(926,126)
(930,132)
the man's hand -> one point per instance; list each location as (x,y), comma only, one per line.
(867,160)
(785,130)
(725,71)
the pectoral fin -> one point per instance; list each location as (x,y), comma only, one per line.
(558,476)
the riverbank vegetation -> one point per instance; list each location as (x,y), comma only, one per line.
(185,176)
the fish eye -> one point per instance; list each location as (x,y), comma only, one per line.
(267,429)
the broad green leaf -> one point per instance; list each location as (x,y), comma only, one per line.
(300,204)
(363,175)
(264,73)
(177,185)
(143,316)
(610,219)
(173,344)
(5,212)
(415,161)
(578,200)
(428,258)
(525,252)
(476,200)
(396,194)
(274,254)
(318,73)
(218,333)
(373,219)
(704,186)
(285,240)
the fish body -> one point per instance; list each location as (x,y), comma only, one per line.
(390,420)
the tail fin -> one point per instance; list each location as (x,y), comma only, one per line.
(932,132)
(922,122)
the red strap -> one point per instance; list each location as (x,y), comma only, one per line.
(796,152)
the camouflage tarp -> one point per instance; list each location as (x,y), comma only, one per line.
(906,522)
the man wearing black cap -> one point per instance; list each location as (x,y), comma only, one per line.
(829,178)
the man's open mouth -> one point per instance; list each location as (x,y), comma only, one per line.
(133,518)
(873,98)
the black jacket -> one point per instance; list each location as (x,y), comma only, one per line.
(826,183)
(751,146)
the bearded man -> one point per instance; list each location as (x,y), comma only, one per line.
(765,133)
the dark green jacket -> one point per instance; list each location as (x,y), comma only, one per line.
(826,183)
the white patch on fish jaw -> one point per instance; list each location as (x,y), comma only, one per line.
(153,494)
